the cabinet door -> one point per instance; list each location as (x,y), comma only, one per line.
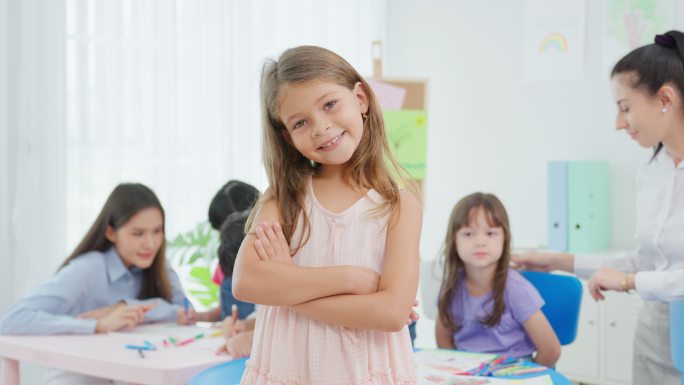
(620,314)
(579,360)
(588,206)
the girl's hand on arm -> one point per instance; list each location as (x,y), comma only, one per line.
(443,335)
(544,339)
(387,309)
(413,316)
(271,246)
(284,284)
(541,261)
(126,316)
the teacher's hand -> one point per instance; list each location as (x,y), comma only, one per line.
(542,261)
(607,278)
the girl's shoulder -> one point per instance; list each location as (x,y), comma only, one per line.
(409,201)
(518,288)
(516,283)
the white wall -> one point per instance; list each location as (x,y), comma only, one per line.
(489,131)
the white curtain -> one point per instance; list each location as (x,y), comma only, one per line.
(6,282)
(34,138)
(159,92)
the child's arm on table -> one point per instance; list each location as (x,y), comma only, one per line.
(281,284)
(387,308)
(544,339)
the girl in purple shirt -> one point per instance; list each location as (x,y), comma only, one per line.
(483,305)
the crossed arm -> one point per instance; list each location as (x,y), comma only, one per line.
(338,294)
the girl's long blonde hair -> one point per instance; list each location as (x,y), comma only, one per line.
(288,171)
(463,214)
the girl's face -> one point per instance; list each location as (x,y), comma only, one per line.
(639,114)
(478,244)
(323,119)
(138,241)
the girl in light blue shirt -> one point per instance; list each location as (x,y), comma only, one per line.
(116,278)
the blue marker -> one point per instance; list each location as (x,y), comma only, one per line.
(186,306)
(139,347)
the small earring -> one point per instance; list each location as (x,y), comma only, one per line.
(364,116)
(664,110)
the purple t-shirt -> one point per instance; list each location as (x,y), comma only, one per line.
(508,337)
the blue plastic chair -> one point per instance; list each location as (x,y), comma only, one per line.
(563,297)
(677,335)
(228,373)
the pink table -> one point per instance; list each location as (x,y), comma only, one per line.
(104,356)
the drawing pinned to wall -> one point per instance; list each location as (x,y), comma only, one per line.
(407,134)
(632,23)
(554,40)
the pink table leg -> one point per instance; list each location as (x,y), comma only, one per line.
(9,371)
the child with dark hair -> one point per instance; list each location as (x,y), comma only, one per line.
(228,212)
(233,197)
(484,306)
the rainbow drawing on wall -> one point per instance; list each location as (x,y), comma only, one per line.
(553,42)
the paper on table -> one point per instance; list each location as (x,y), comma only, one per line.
(450,361)
(439,378)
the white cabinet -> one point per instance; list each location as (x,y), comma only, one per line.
(580,359)
(602,352)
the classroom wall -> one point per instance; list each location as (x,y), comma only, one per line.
(490,131)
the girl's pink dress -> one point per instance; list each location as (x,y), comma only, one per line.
(290,348)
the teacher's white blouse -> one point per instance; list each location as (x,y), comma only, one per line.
(659,258)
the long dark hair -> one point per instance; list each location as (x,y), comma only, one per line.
(463,214)
(655,65)
(126,200)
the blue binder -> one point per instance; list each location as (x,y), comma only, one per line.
(558,206)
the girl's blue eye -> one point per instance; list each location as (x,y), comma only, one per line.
(330,104)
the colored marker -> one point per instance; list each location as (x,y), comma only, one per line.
(191,339)
(139,347)
(186,306)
